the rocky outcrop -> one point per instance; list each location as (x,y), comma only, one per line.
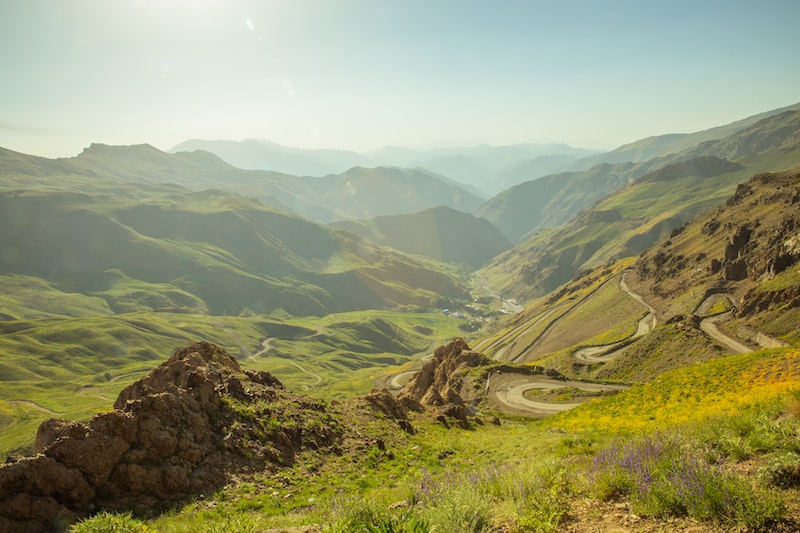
(383,402)
(184,429)
(442,382)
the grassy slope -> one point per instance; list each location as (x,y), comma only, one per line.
(691,394)
(229,252)
(102,279)
(441,233)
(592,311)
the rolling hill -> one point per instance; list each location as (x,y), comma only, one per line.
(733,268)
(94,235)
(440,233)
(638,309)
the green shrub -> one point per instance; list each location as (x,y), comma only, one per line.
(541,498)
(362,516)
(782,470)
(110,523)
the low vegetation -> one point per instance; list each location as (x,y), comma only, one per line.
(733,466)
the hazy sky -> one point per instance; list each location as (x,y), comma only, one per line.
(361,74)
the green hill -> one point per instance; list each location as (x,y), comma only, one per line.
(637,309)
(232,254)
(738,262)
(440,233)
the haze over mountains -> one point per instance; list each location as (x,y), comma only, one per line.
(441,233)
(411,266)
(90,226)
(488,169)
(647,201)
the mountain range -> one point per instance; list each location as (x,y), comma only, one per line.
(440,233)
(485,169)
(651,200)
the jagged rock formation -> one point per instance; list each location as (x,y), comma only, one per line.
(382,401)
(442,382)
(184,429)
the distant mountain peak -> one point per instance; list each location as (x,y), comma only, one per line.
(107,148)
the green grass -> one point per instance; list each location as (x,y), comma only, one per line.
(591,311)
(527,476)
(26,297)
(665,476)
(647,212)
(787,279)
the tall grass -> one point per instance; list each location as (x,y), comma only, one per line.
(524,497)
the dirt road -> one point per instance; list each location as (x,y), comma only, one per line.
(33,405)
(709,324)
(317,377)
(609,352)
(507,391)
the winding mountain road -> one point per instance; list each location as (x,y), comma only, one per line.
(266,345)
(709,324)
(317,377)
(551,326)
(508,391)
(399,381)
(609,352)
(33,405)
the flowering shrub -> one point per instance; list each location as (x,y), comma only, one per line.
(664,477)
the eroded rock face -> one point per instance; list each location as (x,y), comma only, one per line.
(183,429)
(442,383)
(383,402)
